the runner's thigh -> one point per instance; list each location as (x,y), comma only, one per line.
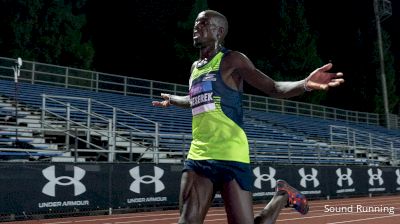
(238,203)
(195,197)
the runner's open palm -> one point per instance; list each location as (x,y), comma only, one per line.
(321,79)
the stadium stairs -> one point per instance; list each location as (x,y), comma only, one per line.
(19,138)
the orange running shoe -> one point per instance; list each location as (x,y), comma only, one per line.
(296,200)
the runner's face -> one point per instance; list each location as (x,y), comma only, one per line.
(205,30)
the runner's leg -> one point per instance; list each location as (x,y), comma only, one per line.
(285,196)
(195,198)
(238,203)
(271,212)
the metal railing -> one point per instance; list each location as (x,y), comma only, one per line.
(35,72)
(113,130)
(73,117)
(173,148)
(373,144)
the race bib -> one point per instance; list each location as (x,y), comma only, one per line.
(201,97)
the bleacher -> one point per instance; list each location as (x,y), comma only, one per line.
(173,120)
(322,130)
(23,143)
(83,113)
(273,137)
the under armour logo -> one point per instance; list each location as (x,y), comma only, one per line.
(375,176)
(264,177)
(308,177)
(398,176)
(50,187)
(344,176)
(146,179)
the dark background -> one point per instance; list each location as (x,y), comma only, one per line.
(126,46)
(116,32)
(139,38)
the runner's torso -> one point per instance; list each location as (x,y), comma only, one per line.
(217,116)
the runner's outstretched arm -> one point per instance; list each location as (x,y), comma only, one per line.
(180,101)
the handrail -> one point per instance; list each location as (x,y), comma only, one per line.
(103,104)
(76,108)
(366,134)
(112,122)
(382,145)
(81,139)
(255,153)
(111,144)
(127,112)
(35,72)
(68,130)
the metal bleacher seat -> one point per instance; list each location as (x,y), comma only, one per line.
(274,137)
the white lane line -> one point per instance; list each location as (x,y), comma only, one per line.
(308,217)
(94,219)
(214,211)
(147,220)
(359,220)
(58,222)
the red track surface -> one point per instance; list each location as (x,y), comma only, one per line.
(318,214)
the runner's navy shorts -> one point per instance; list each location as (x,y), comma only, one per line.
(220,172)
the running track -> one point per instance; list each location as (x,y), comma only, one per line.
(317,214)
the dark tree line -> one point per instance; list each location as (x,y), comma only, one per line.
(47,31)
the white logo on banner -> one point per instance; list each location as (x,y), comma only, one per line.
(146,179)
(344,176)
(264,177)
(308,177)
(398,176)
(375,176)
(50,187)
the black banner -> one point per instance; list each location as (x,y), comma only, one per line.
(65,187)
(145,185)
(53,187)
